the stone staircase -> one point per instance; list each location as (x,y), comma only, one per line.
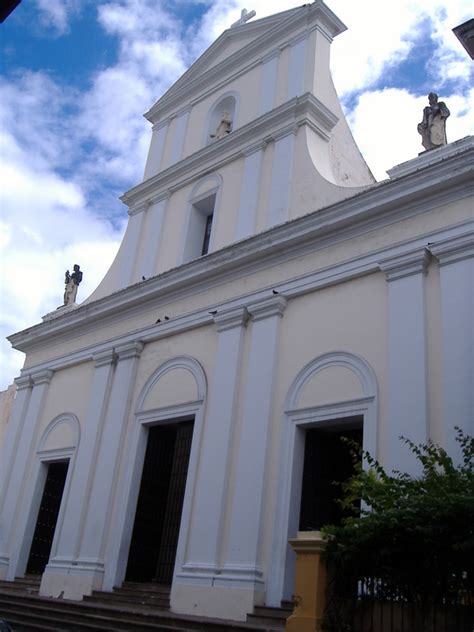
(131,608)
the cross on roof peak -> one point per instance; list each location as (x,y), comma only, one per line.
(245,16)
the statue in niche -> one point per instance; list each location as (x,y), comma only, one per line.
(224,127)
(72,283)
(433,126)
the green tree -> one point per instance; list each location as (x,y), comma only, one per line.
(412,537)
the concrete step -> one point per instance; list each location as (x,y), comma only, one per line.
(270,616)
(63,615)
(29,584)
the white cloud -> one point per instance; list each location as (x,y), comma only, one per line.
(56,14)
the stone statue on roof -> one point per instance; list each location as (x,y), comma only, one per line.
(72,282)
(433,126)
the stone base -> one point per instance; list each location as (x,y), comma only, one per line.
(214,602)
(3,567)
(70,582)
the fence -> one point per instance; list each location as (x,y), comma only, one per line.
(370,606)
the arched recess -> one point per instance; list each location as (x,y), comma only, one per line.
(62,434)
(201,217)
(58,443)
(294,419)
(144,417)
(228,103)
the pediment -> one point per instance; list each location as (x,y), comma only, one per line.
(228,44)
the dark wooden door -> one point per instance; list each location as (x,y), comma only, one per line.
(160,502)
(47,518)
(327,461)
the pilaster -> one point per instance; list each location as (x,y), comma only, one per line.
(155,153)
(456,261)
(8,456)
(242,564)
(15,526)
(407,365)
(211,490)
(63,574)
(249,193)
(280,183)
(90,561)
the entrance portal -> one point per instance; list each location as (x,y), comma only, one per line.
(160,503)
(327,459)
(47,518)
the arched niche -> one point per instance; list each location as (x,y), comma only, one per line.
(61,435)
(223,109)
(177,381)
(333,377)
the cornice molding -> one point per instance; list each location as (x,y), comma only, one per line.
(104,358)
(406,264)
(306,109)
(333,275)
(267,307)
(129,350)
(231,318)
(22,382)
(41,377)
(454,249)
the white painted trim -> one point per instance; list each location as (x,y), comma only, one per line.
(181,362)
(279,575)
(302,110)
(64,418)
(163,286)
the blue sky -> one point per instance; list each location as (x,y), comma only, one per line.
(77,75)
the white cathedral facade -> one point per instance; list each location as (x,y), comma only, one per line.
(268,296)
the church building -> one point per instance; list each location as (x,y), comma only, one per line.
(183,422)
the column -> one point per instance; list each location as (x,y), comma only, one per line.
(279,195)
(407,370)
(456,261)
(241,567)
(15,530)
(249,193)
(8,456)
(64,562)
(155,154)
(90,560)
(211,489)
